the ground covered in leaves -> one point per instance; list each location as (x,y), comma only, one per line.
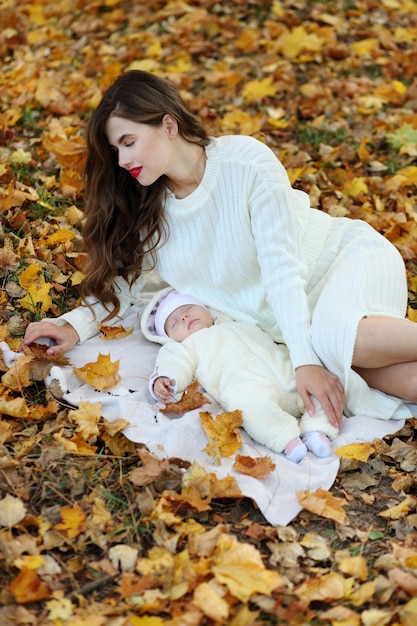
(94,531)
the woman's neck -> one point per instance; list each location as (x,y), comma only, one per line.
(190,172)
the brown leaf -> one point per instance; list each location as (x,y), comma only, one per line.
(39,351)
(114,332)
(259,467)
(191,399)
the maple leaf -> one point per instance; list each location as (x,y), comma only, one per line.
(223,433)
(323,503)
(73,521)
(87,417)
(38,291)
(299,39)
(191,399)
(101,374)
(114,332)
(239,566)
(259,467)
(199,487)
(15,407)
(151,468)
(18,376)
(327,588)
(258,89)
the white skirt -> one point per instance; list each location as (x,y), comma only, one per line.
(361,275)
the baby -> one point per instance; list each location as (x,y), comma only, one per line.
(240,366)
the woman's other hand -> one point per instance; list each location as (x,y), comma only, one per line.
(64,337)
(314,380)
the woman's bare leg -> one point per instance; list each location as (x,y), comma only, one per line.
(382,341)
(397,380)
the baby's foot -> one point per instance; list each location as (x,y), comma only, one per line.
(295,450)
(318,443)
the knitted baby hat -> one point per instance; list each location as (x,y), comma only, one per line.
(171,302)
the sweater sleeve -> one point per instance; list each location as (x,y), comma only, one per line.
(86,320)
(273,207)
(174,357)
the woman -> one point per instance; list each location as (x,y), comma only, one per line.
(219,219)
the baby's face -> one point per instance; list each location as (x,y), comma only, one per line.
(185,320)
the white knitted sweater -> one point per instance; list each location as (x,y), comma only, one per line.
(245,243)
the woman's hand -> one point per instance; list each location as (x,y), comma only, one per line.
(65,337)
(314,380)
(162,389)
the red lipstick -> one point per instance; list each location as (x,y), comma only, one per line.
(135,172)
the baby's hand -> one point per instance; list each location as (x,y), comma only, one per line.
(162,389)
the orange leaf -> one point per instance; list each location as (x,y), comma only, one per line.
(190,399)
(258,468)
(101,374)
(114,332)
(323,503)
(28,587)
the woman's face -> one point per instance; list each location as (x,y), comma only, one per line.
(145,151)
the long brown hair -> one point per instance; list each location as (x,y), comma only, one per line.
(124,220)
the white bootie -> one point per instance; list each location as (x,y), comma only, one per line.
(318,443)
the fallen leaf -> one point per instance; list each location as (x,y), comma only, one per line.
(12,511)
(323,503)
(223,433)
(191,399)
(114,332)
(259,467)
(101,374)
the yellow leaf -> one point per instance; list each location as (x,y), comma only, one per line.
(400,510)
(30,561)
(258,89)
(357,451)
(222,432)
(355,187)
(410,173)
(208,599)
(241,122)
(37,289)
(323,503)
(101,374)
(15,407)
(327,588)
(73,521)
(18,376)
(364,46)
(60,236)
(87,417)
(298,40)
(239,566)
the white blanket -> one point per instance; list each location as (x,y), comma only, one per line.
(183,437)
